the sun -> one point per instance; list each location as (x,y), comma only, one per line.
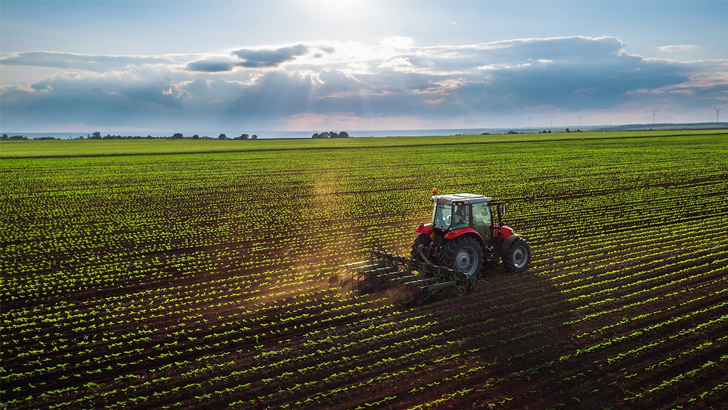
(338,9)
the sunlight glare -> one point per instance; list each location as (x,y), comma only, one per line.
(338,9)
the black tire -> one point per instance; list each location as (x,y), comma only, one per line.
(421,239)
(518,256)
(464,253)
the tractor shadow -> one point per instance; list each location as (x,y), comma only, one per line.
(513,326)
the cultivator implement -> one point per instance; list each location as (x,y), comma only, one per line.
(414,279)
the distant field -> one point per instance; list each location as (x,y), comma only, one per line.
(206,274)
(52,148)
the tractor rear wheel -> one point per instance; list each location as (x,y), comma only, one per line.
(464,253)
(423,240)
(517,256)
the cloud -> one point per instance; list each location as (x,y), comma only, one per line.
(483,84)
(678,47)
(261,58)
(70,98)
(212,65)
(257,58)
(98,63)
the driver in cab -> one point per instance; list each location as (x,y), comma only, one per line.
(460,217)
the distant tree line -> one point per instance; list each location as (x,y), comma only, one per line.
(331,134)
(16,137)
(24,138)
(175,136)
(97,136)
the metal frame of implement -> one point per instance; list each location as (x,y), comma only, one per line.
(386,270)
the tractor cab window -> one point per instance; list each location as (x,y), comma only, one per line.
(451,216)
(441,216)
(481,220)
(486,214)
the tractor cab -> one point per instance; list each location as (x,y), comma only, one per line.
(459,211)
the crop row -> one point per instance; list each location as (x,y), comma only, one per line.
(215,279)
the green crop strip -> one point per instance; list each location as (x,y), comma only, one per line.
(161,274)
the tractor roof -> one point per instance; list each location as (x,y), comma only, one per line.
(460,199)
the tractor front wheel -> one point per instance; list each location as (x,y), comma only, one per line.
(464,253)
(517,256)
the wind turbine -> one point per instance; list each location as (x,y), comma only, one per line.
(529,122)
(580,120)
(717,111)
(654,114)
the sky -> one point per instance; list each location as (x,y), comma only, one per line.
(347,65)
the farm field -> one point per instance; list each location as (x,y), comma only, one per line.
(154,275)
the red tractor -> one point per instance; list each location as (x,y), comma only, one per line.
(449,253)
(467,231)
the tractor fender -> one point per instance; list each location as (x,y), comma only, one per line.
(459,232)
(508,241)
(502,231)
(424,229)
